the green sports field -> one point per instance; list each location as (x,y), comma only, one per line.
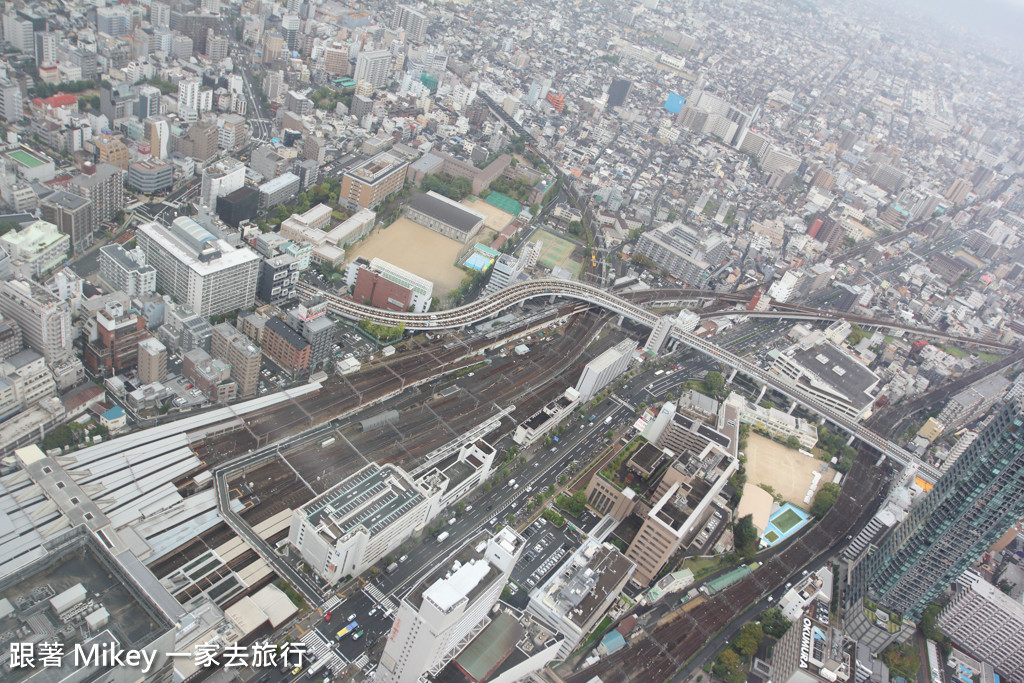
(26,159)
(786,521)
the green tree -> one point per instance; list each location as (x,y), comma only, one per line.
(773,623)
(714,383)
(793,442)
(58,437)
(574,504)
(748,639)
(745,536)
(825,499)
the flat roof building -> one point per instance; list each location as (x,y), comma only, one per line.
(199,270)
(574,599)
(371,182)
(440,615)
(366,275)
(445,216)
(126,270)
(601,370)
(350,527)
(830,375)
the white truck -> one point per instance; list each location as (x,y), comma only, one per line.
(512,483)
(442,537)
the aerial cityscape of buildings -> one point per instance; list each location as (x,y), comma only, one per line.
(488,341)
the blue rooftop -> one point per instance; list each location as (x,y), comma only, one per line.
(114,413)
(613,642)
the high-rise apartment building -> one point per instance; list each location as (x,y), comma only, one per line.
(103,186)
(413,21)
(44,319)
(72,216)
(126,270)
(152,361)
(221,179)
(969,507)
(440,615)
(160,14)
(336,60)
(374,67)
(244,357)
(115,21)
(310,319)
(606,367)
(46,48)
(987,623)
(196,268)
(12,103)
(20,29)
(958,191)
(290,30)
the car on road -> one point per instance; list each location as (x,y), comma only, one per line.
(327,617)
(352,617)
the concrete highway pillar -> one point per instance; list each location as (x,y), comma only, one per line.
(732,375)
(764,388)
(792,407)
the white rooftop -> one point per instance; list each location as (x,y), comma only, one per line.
(447,592)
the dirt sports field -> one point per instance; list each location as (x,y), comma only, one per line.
(557,251)
(497,219)
(784,469)
(416,249)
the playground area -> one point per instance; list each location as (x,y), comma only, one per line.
(789,473)
(417,249)
(784,522)
(558,251)
(497,220)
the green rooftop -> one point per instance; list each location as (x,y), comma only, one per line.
(26,159)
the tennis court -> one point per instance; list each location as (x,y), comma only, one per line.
(504,202)
(556,251)
(786,520)
(26,159)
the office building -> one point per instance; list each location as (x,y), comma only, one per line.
(533,428)
(310,319)
(160,14)
(370,182)
(279,190)
(374,67)
(443,215)
(290,31)
(113,343)
(240,205)
(600,371)
(958,191)
(71,214)
(103,186)
(441,614)
(360,275)
(150,176)
(199,270)
(10,339)
(572,601)
(19,31)
(352,526)
(413,21)
(221,179)
(681,503)
(286,347)
(45,320)
(968,508)
(117,100)
(126,270)
(244,357)
(986,622)
(211,376)
(152,356)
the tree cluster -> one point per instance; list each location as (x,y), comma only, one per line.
(382,333)
(575,504)
(48,89)
(824,499)
(456,188)
(745,536)
(731,663)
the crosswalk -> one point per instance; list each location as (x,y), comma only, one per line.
(378,596)
(361,661)
(317,644)
(330,604)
